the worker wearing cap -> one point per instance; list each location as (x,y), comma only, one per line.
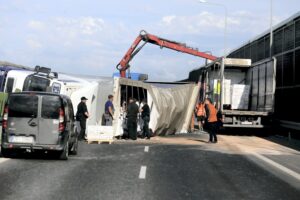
(81,116)
(109,110)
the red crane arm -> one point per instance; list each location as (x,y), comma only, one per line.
(148,38)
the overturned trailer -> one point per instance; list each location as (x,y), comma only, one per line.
(171,105)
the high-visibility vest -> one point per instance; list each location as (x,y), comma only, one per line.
(212,113)
(200,109)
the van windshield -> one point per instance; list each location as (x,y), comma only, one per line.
(50,107)
(23,106)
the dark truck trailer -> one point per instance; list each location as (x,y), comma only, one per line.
(243,93)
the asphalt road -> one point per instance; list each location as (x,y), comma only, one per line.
(125,171)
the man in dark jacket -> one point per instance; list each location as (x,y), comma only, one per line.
(81,116)
(146,118)
(132,112)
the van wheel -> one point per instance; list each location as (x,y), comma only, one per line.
(74,149)
(65,153)
(6,153)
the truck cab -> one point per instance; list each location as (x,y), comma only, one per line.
(42,80)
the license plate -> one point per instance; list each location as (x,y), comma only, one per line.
(21,139)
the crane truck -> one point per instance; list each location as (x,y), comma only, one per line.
(243,93)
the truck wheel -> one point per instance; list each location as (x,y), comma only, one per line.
(64,155)
(74,149)
(6,153)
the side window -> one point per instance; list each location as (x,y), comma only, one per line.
(10,85)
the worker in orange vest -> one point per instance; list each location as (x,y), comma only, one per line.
(200,110)
(211,116)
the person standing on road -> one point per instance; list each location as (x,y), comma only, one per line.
(200,115)
(132,112)
(81,116)
(145,110)
(211,115)
(109,111)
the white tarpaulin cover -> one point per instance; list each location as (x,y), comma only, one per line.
(171,105)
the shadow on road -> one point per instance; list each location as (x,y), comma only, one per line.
(34,156)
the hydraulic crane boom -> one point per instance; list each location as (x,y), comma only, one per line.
(148,38)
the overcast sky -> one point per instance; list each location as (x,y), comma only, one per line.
(91,36)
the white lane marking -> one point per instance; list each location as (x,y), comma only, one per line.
(279,166)
(146,148)
(143,172)
(2,160)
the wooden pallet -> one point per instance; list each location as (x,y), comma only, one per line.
(90,141)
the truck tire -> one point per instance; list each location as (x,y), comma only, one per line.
(6,153)
(64,155)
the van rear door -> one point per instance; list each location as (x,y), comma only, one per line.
(23,119)
(49,120)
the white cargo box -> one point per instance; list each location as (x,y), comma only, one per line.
(96,132)
(240,96)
